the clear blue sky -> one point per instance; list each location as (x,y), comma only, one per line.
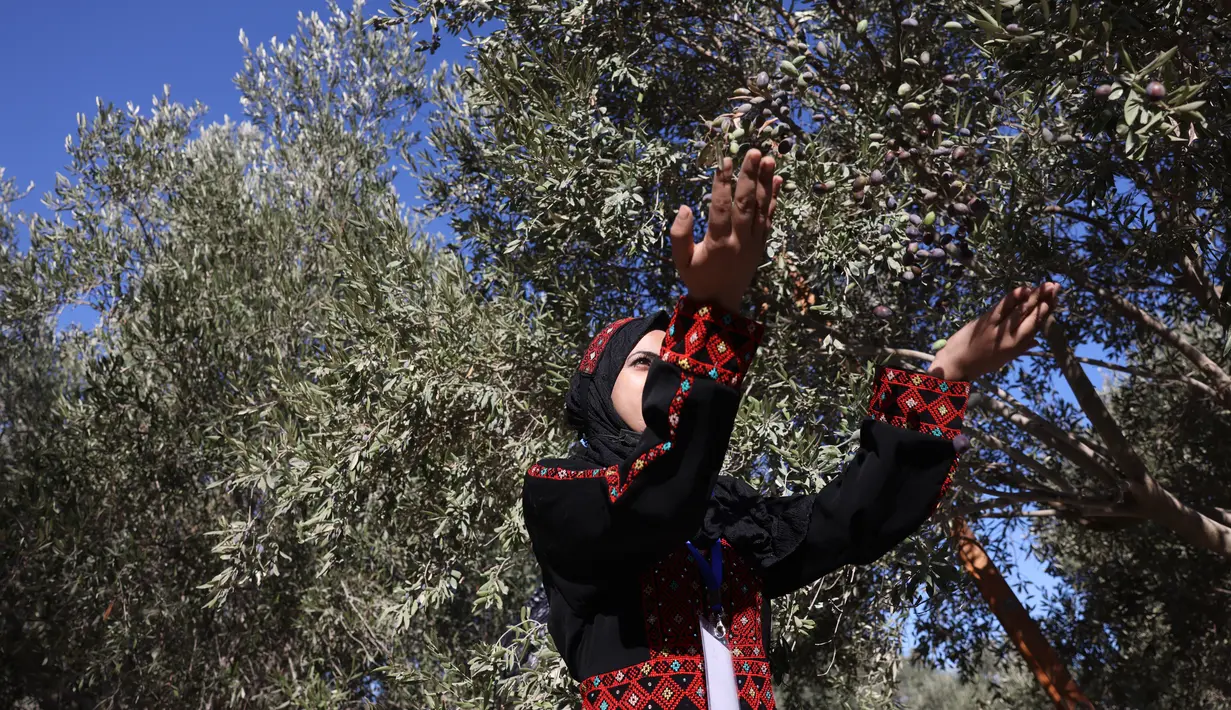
(60,56)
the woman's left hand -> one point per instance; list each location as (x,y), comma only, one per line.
(995,338)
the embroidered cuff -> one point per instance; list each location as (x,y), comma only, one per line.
(706,339)
(920,402)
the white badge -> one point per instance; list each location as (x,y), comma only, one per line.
(719,668)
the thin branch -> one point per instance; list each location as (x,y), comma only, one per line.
(1122,453)
(1024,459)
(1222,382)
(1137,372)
(1050,434)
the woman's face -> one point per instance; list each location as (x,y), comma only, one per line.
(626,395)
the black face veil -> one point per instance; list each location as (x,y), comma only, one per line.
(605,439)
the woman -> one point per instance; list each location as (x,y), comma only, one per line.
(659,570)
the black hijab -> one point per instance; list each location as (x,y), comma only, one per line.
(606,439)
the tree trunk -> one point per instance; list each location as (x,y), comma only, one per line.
(1050,672)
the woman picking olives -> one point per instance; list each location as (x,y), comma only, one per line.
(660,570)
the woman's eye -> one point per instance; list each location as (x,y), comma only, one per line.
(642,360)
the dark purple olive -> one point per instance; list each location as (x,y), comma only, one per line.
(925,132)
(1155,91)
(907,276)
(928,238)
(784,146)
(882,312)
(762,80)
(963,131)
(910,23)
(960,208)
(860,182)
(894,112)
(1048,136)
(912,231)
(916,220)
(959,153)
(937,120)
(949,80)
(948,176)
(891,202)
(822,187)
(1103,91)
(928,195)
(937,253)
(844,87)
(877,178)
(953,250)
(961,444)
(1013,28)
(978,207)
(965,255)
(941,152)
(916,270)
(912,247)
(885,229)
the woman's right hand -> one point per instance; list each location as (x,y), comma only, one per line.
(720,267)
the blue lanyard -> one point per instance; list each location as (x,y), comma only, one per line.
(711,573)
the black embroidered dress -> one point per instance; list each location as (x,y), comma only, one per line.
(625,594)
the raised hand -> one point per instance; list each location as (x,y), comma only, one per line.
(720,267)
(995,338)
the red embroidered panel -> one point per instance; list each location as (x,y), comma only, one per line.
(705,339)
(589,360)
(674,679)
(921,402)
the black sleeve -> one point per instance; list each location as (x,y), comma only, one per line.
(587,526)
(888,489)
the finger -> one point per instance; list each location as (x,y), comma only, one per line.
(765,195)
(681,238)
(1036,319)
(745,207)
(773,205)
(1006,305)
(720,200)
(1024,308)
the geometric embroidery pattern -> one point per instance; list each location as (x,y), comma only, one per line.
(705,340)
(589,361)
(617,481)
(674,677)
(919,402)
(924,403)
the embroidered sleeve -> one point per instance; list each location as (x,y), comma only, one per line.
(919,402)
(706,339)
